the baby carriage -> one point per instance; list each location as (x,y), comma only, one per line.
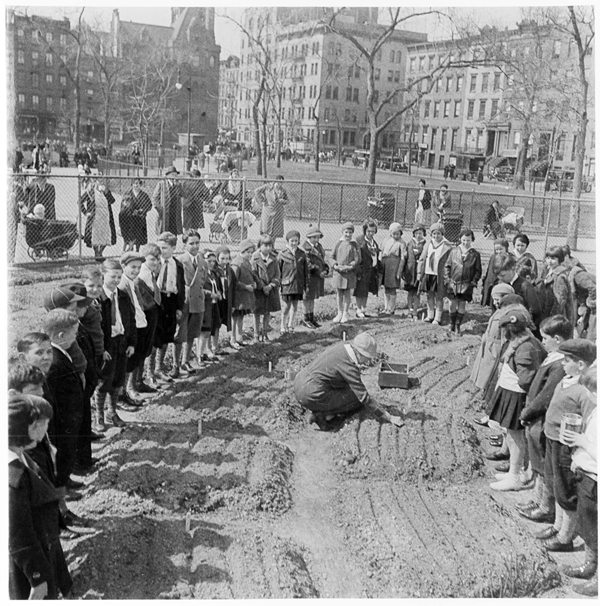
(512,221)
(49,238)
(216,232)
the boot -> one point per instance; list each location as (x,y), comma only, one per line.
(313,321)
(589,589)
(585,571)
(453,315)
(98,425)
(111,416)
(459,319)
(438,318)
(509,482)
(306,322)
(142,387)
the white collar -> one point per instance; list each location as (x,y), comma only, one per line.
(568,381)
(109,293)
(352,354)
(62,350)
(553,356)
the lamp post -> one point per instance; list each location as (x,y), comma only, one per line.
(179,86)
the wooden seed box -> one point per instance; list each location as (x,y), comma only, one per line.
(393,375)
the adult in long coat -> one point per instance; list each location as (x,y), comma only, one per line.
(167,199)
(96,203)
(273,198)
(37,565)
(193,202)
(44,193)
(369,269)
(136,204)
(491,278)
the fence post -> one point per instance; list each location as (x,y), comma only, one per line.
(471,209)
(320,205)
(341,200)
(301,197)
(405,204)
(79,218)
(243,209)
(559,210)
(396,202)
(547,225)
(532,204)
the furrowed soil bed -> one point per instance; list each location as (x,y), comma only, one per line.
(218,488)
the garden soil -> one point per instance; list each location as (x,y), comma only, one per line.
(218,488)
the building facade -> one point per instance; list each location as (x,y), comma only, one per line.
(228,98)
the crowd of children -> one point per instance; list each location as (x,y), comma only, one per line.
(128,328)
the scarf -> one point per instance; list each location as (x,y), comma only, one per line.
(434,255)
(171,286)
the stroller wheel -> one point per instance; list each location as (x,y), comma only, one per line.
(57,253)
(36,253)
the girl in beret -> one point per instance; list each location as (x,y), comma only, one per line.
(346,257)
(369,268)
(414,249)
(265,266)
(293,269)
(317,272)
(393,257)
(243,291)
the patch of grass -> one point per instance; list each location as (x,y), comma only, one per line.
(520,577)
(46,272)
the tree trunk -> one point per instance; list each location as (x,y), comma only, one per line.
(317,144)
(265,147)
(77,99)
(519,178)
(259,159)
(374,135)
(279,137)
(106,122)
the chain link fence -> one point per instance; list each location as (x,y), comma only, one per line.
(79,221)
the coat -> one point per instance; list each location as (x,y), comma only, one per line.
(527,260)
(132,217)
(583,291)
(267,273)
(87,205)
(489,281)
(414,250)
(367,274)
(393,264)
(36,555)
(345,253)
(167,201)
(193,204)
(558,299)
(440,288)
(127,318)
(228,287)
(46,196)
(315,256)
(541,391)
(461,275)
(273,205)
(242,298)
(195,279)
(527,290)
(293,269)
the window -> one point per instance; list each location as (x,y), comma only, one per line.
(441,162)
(449,84)
(35,80)
(314,69)
(347,115)
(35,100)
(444,140)
(331,48)
(526,51)
(303,69)
(424,130)
(482,104)
(48,37)
(349,94)
(413,64)
(390,75)
(446,109)
(457,108)
(421,64)
(376,73)
(436,109)
(485,83)
(392,56)
(574,148)
(315,48)
(353,136)
(90,74)
(556,49)
(433,137)
(560,148)
(21,99)
(430,62)
(335,92)
(453,139)
(437,85)
(90,91)
(326,114)
(49,103)
(356,71)
(470,109)
(425,84)
(426,107)
(517,142)
(494,108)
(397,76)
(497,78)
(63,39)
(375,96)
(398,57)
(328,91)
(48,59)
(21,57)
(48,78)
(350,71)
(473,83)
(35,57)
(378,56)
(355,96)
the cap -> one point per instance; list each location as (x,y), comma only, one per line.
(222,249)
(128,257)
(80,290)
(394,227)
(437,227)
(582,349)
(516,317)
(246,244)
(60,297)
(314,231)
(348,225)
(503,289)
(171,171)
(419,226)
(365,344)
(292,234)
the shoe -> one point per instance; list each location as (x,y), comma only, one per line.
(187,367)
(345,319)
(508,483)
(67,534)
(585,571)
(130,400)
(526,505)
(553,544)
(144,388)
(163,378)
(589,589)
(96,436)
(98,428)
(435,323)
(72,519)
(495,437)
(360,314)
(536,515)
(547,533)
(483,421)
(73,495)
(220,352)
(428,320)
(117,421)
(314,323)
(235,345)
(74,484)
(308,324)
(503,467)
(175,373)
(290,329)
(497,455)
(85,465)
(240,343)
(496,443)
(338,318)
(366,315)
(127,407)
(384,312)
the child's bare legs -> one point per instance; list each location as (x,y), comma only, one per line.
(392,301)
(293,310)
(361,304)
(340,304)
(439,308)
(515,438)
(266,326)
(309,307)
(287,305)
(257,334)
(347,294)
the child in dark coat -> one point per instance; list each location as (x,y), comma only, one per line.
(414,249)
(266,296)
(318,270)
(243,293)
(293,268)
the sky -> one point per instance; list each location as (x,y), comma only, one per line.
(226,33)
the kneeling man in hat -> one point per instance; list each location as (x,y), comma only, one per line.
(331,385)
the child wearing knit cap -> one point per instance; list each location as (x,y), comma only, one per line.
(413,252)
(293,269)
(265,265)
(317,270)
(346,258)
(243,292)
(393,257)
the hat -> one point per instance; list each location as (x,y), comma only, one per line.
(60,297)
(314,231)
(437,227)
(582,349)
(246,244)
(171,171)
(222,249)
(503,289)
(516,317)
(80,290)
(394,227)
(209,253)
(292,234)
(348,225)
(128,257)
(417,227)
(196,173)
(365,344)
(512,300)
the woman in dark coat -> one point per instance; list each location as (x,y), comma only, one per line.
(414,250)
(369,269)
(96,203)
(193,202)
(136,204)
(491,279)
(37,565)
